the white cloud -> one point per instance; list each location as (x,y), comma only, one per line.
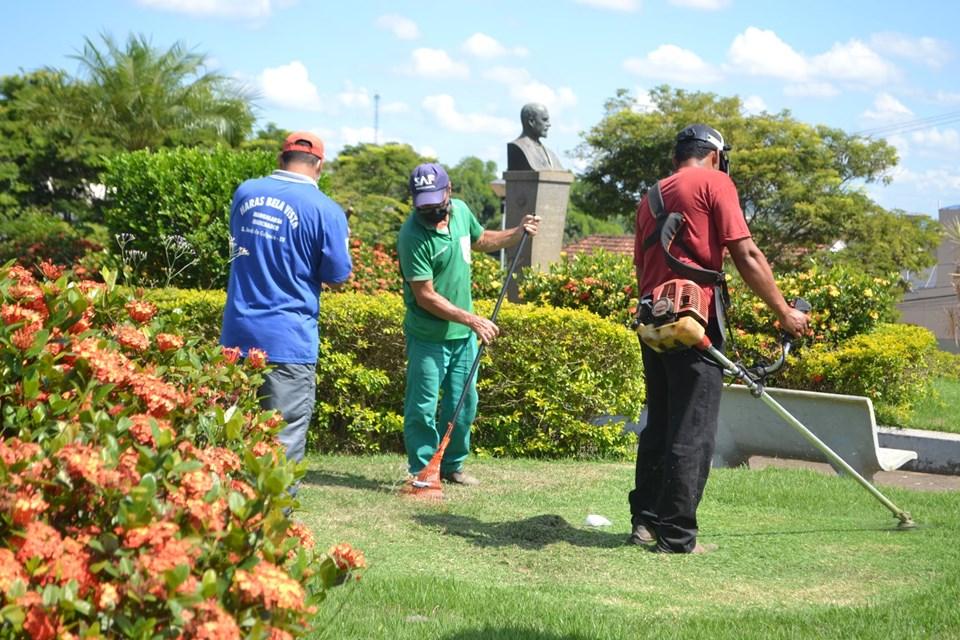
(436,63)
(947,97)
(943,180)
(224,8)
(901,144)
(524,88)
(945,140)
(886,108)
(615,5)
(483,46)
(855,62)
(356,135)
(354,97)
(925,50)
(394,107)
(289,86)
(400,27)
(761,52)
(443,107)
(811,90)
(670,62)
(707,5)
(643,103)
(427,151)
(754,105)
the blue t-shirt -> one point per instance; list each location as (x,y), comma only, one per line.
(288,237)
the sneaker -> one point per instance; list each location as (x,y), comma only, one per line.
(641,535)
(697,549)
(459,477)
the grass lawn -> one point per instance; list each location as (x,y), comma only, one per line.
(939,413)
(802,555)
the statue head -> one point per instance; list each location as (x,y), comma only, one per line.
(535,120)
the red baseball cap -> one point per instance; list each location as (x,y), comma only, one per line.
(304,141)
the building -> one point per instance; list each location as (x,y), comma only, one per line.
(932,301)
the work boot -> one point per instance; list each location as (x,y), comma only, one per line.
(459,477)
(641,535)
(697,549)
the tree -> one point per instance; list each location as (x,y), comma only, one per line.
(799,185)
(269,138)
(471,178)
(139,96)
(374,169)
(371,183)
(48,159)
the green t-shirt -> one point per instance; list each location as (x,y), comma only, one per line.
(444,257)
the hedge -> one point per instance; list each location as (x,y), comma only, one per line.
(891,365)
(549,373)
(179,192)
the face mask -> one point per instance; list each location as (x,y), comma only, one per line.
(434,215)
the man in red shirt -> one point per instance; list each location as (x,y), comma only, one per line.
(683,387)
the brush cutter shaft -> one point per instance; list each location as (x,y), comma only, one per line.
(476,361)
(740,372)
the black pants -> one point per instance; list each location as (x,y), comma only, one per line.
(676,446)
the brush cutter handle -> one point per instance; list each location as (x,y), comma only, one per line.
(786,345)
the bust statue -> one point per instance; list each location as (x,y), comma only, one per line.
(527,153)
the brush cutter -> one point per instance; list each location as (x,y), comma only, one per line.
(426,484)
(676,318)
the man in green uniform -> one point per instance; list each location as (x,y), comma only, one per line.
(434,247)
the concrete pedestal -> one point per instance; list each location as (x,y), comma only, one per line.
(544,193)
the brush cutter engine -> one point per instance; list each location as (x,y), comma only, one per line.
(674,317)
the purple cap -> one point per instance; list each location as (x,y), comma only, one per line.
(428,185)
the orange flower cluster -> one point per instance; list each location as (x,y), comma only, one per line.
(212,623)
(346,557)
(271,585)
(140,310)
(231,354)
(142,428)
(154,524)
(257,358)
(160,397)
(131,337)
(168,342)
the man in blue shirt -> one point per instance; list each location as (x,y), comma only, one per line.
(288,238)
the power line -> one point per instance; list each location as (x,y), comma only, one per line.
(907,126)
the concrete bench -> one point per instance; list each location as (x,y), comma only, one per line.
(748,427)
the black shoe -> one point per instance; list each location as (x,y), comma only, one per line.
(459,477)
(641,535)
(697,549)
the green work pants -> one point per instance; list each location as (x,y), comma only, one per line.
(432,368)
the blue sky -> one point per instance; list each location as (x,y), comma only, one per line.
(452,76)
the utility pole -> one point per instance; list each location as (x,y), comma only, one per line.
(376,118)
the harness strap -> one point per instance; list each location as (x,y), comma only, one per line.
(669,226)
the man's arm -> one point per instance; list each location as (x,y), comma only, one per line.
(494,240)
(753,266)
(432,302)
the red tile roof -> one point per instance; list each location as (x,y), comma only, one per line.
(612,244)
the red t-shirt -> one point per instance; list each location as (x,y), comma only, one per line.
(708,200)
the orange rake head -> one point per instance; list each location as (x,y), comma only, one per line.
(426,484)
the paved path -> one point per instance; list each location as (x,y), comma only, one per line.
(904,479)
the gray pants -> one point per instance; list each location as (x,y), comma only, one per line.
(292,390)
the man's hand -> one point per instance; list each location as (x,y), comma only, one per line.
(530,223)
(795,322)
(485,329)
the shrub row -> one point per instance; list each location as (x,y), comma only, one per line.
(142,492)
(550,372)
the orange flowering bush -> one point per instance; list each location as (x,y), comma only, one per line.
(142,491)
